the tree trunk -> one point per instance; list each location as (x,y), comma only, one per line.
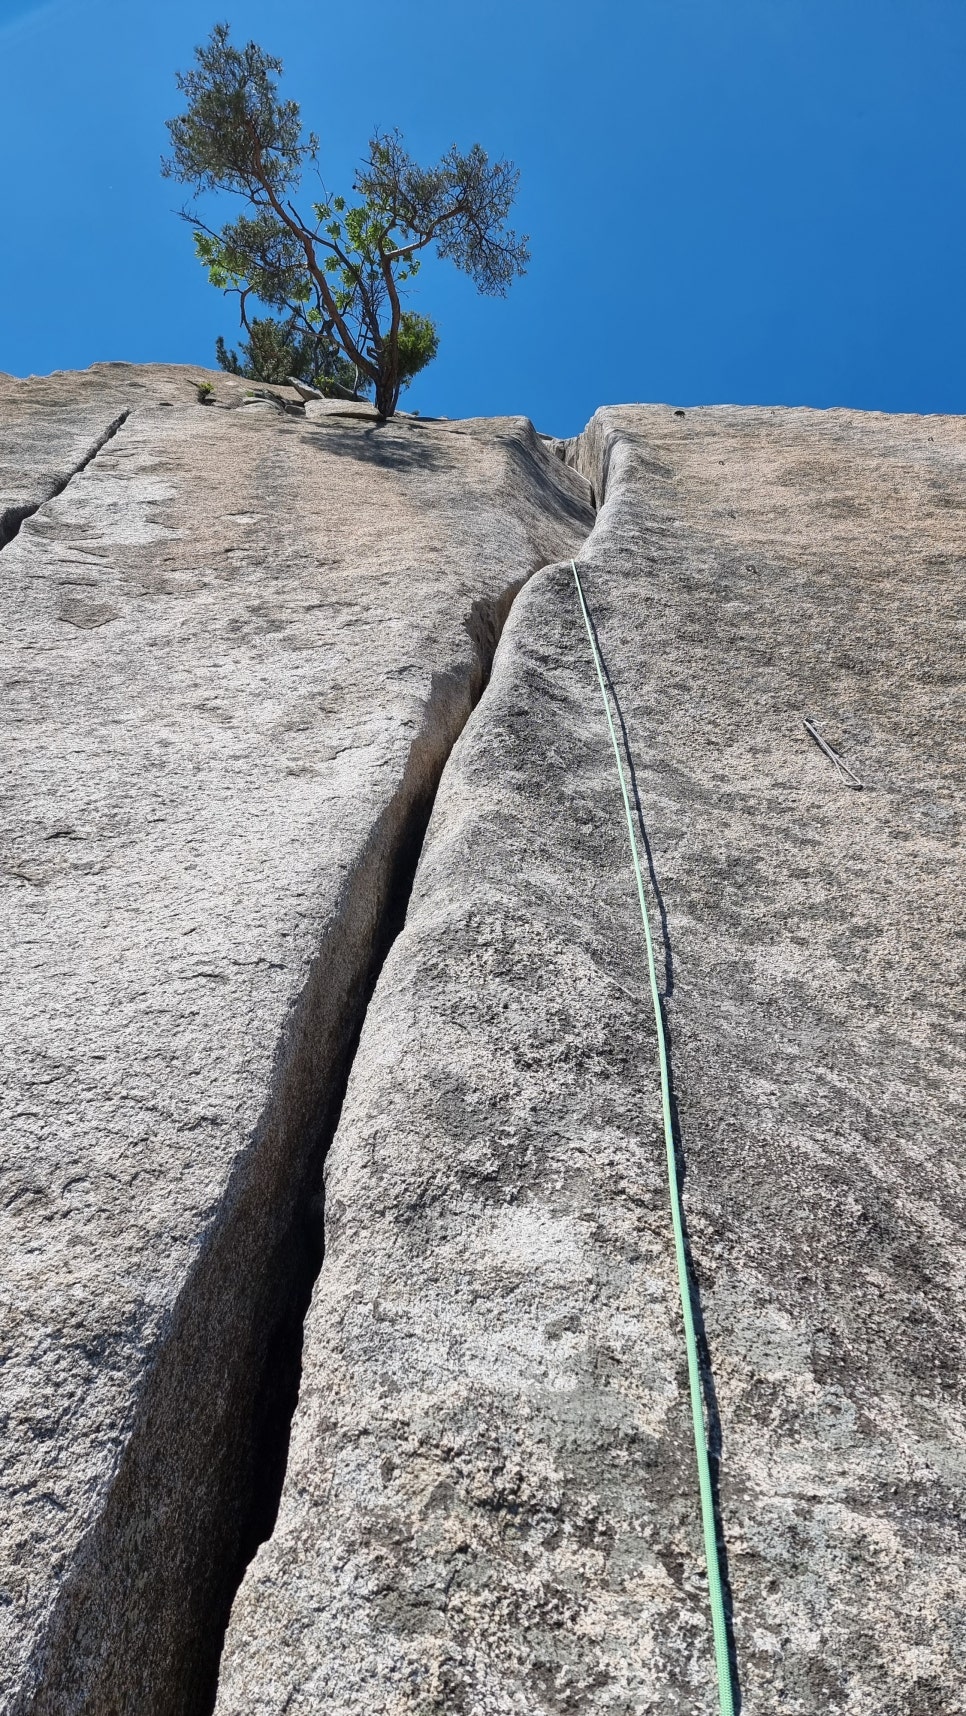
(385,398)
(387,385)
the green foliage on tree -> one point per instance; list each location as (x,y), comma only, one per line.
(339,277)
(275,350)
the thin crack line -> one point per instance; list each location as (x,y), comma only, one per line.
(14,517)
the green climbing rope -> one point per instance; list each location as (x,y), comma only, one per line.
(715,1592)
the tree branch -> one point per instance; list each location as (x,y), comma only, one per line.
(306,240)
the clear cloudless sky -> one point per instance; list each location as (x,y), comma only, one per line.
(751,201)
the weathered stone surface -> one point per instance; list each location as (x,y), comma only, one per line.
(52,425)
(236,651)
(490,1504)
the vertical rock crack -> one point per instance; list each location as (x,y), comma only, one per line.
(13,517)
(198,1485)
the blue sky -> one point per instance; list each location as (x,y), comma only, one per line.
(728,200)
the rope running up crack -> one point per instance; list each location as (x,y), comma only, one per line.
(715,1586)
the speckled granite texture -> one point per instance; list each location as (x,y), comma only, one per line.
(490,1504)
(237,648)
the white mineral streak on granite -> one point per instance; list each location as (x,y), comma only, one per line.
(490,1504)
(236,651)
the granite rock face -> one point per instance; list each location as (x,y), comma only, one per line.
(490,1503)
(239,642)
(51,426)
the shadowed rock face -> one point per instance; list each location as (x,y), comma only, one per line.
(490,1503)
(238,646)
